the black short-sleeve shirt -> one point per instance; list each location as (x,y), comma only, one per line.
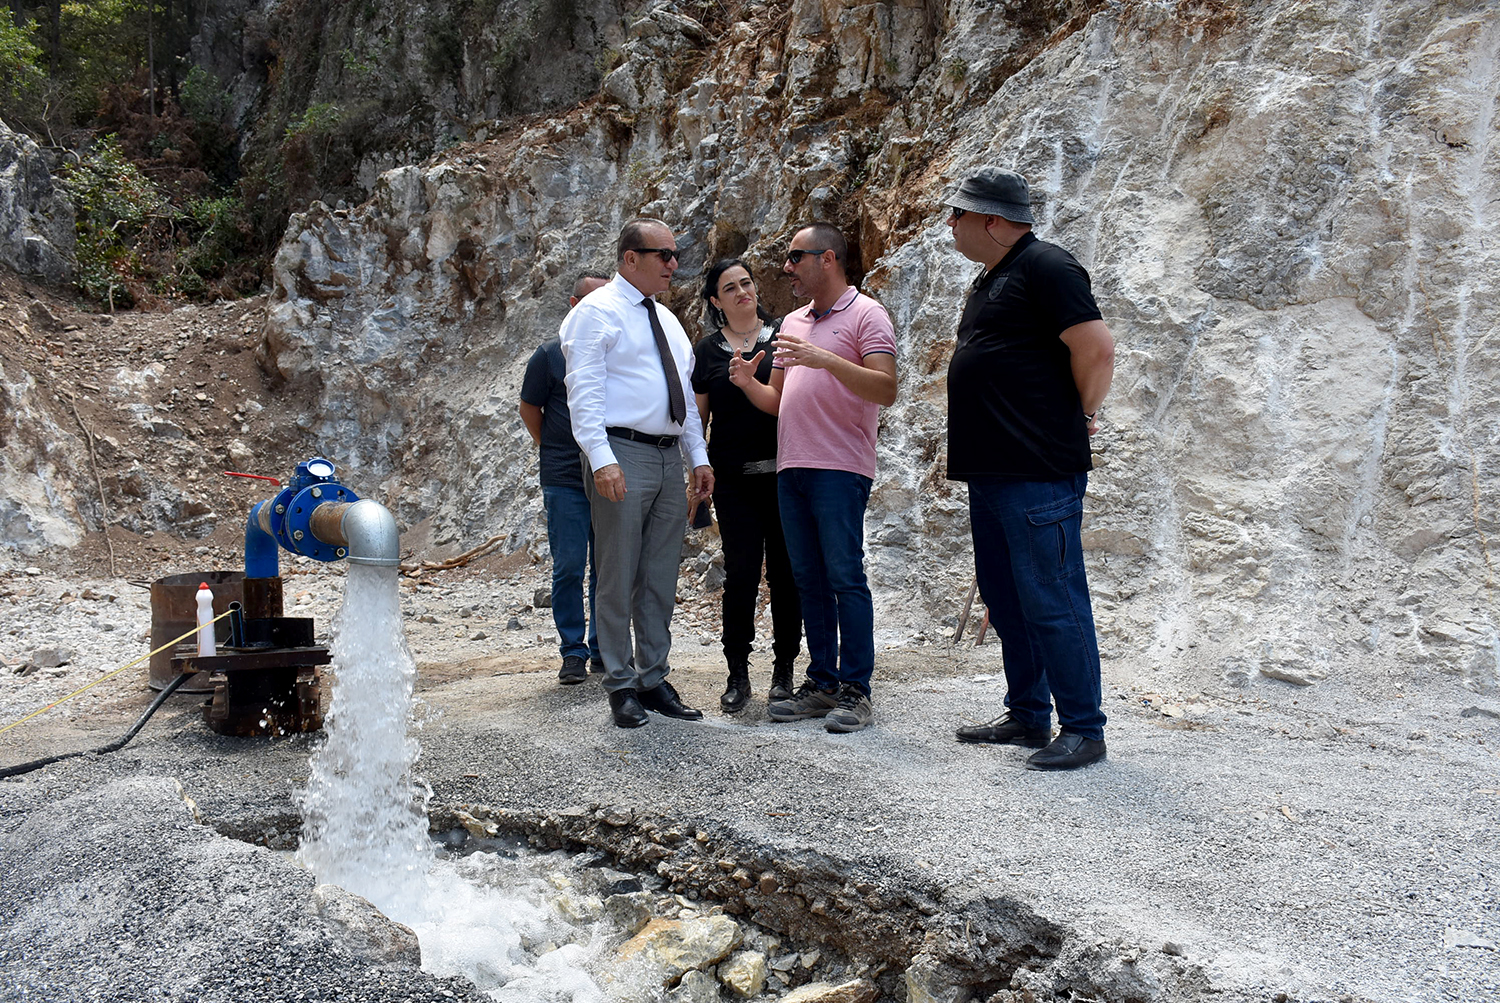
(738,431)
(543,387)
(1013,408)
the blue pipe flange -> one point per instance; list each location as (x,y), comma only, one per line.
(298,534)
(313,483)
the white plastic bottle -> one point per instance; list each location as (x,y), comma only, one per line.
(206,648)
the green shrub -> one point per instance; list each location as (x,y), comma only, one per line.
(20,60)
(202,98)
(133,240)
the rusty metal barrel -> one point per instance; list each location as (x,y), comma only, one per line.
(174,611)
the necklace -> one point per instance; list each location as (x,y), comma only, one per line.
(747,338)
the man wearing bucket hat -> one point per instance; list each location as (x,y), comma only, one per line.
(1032,363)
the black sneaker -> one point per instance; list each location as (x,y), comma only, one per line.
(853,712)
(574,670)
(808,701)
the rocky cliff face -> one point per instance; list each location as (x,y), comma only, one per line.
(36,217)
(1289,213)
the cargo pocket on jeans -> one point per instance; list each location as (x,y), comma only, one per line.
(1056,546)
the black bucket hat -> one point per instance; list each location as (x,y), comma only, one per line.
(995,191)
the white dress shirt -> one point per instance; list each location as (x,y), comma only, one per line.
(615,375)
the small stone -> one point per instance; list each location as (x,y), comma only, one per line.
(427,618)
(542,599)
(745,973)
(695,987)
(630,911)
(1453,937)
(363,930)
(1479,711)
(33,571)
(51,658)
(478,635)
(616,815)
(466,611)
(618,882)
(857,991)
(513,623)
(674,947)
(579,909)
(480,828)
(1444,630)
(1286,676)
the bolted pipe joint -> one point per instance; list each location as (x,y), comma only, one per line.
(364,530)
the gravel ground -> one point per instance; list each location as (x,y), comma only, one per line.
(1302,841)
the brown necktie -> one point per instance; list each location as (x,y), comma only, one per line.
(676,402)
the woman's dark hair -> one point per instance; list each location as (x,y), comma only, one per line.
(711,288)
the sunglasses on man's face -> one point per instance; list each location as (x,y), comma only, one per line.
(667,253)
(955,213)
(795,255)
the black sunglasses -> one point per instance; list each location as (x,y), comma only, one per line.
(795,255)
(956,213)
(667,253)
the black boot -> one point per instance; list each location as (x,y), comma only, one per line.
(737,690)
(781,679)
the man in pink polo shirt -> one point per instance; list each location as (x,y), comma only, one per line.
(835,367)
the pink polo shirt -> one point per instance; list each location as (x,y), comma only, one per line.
(823,424)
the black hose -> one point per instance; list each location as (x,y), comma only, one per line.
(115,746)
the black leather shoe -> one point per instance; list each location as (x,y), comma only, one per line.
(573,671)
(1005,730)
(626,708)
(1067,752)
(663,699)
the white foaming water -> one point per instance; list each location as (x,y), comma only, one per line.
(364,828)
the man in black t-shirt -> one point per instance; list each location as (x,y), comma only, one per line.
(570,537)
(1030,368)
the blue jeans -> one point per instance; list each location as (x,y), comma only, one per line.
(823,520)
(1028,555)
(570,536)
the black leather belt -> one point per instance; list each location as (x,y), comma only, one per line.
(659,441)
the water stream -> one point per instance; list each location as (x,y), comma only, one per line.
(480,915)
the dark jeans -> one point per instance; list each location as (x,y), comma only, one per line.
(570,537)
(1028,555)
(823,518)
(750,527)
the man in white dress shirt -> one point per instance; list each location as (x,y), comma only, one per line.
(629,364)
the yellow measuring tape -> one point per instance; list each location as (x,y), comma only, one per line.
(96,682)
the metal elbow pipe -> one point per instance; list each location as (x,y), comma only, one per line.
(366,529)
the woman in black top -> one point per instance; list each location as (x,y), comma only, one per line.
(742,450)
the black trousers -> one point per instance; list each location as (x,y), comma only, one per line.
(750,527)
